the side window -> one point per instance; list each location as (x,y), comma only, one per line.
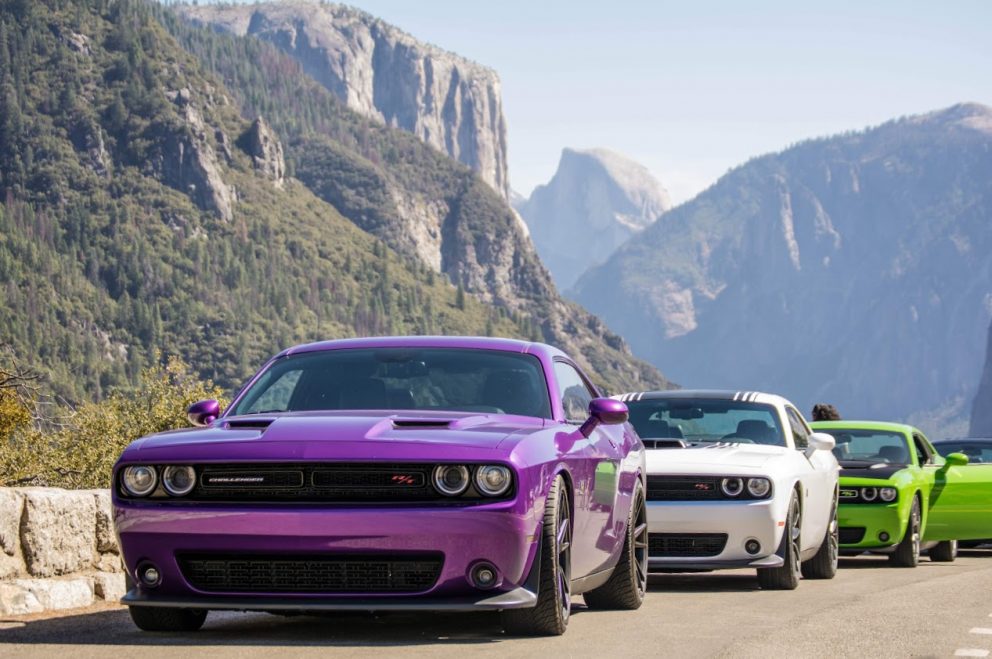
(575,393)
(923,451)
(800,435)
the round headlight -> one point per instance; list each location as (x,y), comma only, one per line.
(451,480)
(732,487)
(493,480)
(139,480)
(178,481)
(869,493)
(888,494)
(759,487)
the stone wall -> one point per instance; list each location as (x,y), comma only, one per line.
(57,550)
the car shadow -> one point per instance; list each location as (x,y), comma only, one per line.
(710,582)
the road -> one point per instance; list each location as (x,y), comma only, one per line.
(869,610)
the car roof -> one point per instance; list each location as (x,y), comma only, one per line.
(466,342)
(883,426)
(705,394)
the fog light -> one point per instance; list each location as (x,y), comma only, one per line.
(752,546)
(484,576)
(883,536)
(149,575)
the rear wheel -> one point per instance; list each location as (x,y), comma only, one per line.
(907,553)
(944,552)
(629,581)
(824,564)
(554,597)
(165,619)
(787,576)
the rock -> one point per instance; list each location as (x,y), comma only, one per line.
(449,102)
(55,594)
(87,138)
(15,600)
(596,196)
(58,531)
(109,586)
(110,562)
(106,541)
(11,507)
(261,143)
(981,411)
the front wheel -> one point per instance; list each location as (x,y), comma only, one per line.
(786,577)
(554,597)
(944,552)
(824,564)
(167,619)
(629,581)
(907,553)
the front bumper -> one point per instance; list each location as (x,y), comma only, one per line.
(741,521)
(495,533)
(876,520)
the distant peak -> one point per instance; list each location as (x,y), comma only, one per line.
(628,174)
(970,115)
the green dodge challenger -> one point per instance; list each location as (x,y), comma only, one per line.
(898,495)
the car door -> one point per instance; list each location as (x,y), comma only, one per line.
(595,471)
(818,477)
(960,501)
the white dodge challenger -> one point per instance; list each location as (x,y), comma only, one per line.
(736,480)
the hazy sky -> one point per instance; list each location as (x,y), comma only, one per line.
(693,88)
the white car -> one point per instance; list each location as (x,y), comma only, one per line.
(737,480)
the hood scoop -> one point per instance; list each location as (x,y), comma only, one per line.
(665,443)
(421,423)
(255,424)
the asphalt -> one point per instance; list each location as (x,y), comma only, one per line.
(869,610)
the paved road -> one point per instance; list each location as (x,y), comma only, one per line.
(869,610)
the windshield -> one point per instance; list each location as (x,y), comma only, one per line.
(703,420)
(454,379)
(977,452)
(870,446)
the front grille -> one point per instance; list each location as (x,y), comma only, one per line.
(674,545)
(310,574)
(851,535)
(683,488)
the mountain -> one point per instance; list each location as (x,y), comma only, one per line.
(981,411)
(449,102)
(855,270)
(596,200)
(145,210)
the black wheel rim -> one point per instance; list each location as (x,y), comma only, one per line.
(563,561)
(794,535)
(640,544)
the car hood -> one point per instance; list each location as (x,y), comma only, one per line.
(867,469)
(338,435)
(704,459)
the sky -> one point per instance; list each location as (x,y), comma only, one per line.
(692,89)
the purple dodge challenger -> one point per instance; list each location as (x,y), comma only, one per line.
(416,473)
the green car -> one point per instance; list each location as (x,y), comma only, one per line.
(898,495)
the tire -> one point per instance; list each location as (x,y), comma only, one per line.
(162,619)
(944,552)
(787,576)
(907,553)
(554,597)
(629,581)
(824,564)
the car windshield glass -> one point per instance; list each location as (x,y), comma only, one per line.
(706,420)
(977,452)
(455,379)
(870,446)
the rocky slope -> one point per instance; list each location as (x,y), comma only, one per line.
(596,200)
(855,270)
(981,411)
(451,103)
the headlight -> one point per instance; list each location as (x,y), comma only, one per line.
(493,480)
(888,494)
(759,487)
(732,487)
(139,480)
(178,481)
(869,493)
(451,480)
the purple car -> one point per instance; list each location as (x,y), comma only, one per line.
(413,473)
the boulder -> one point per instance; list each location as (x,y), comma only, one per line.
(11,506)
(15,600)
(109,586)
(261,143)
(106,541)
(58,531)
(55,594)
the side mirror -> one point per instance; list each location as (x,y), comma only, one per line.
(607,411)
(956,459)
(203,413)
(822,441)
